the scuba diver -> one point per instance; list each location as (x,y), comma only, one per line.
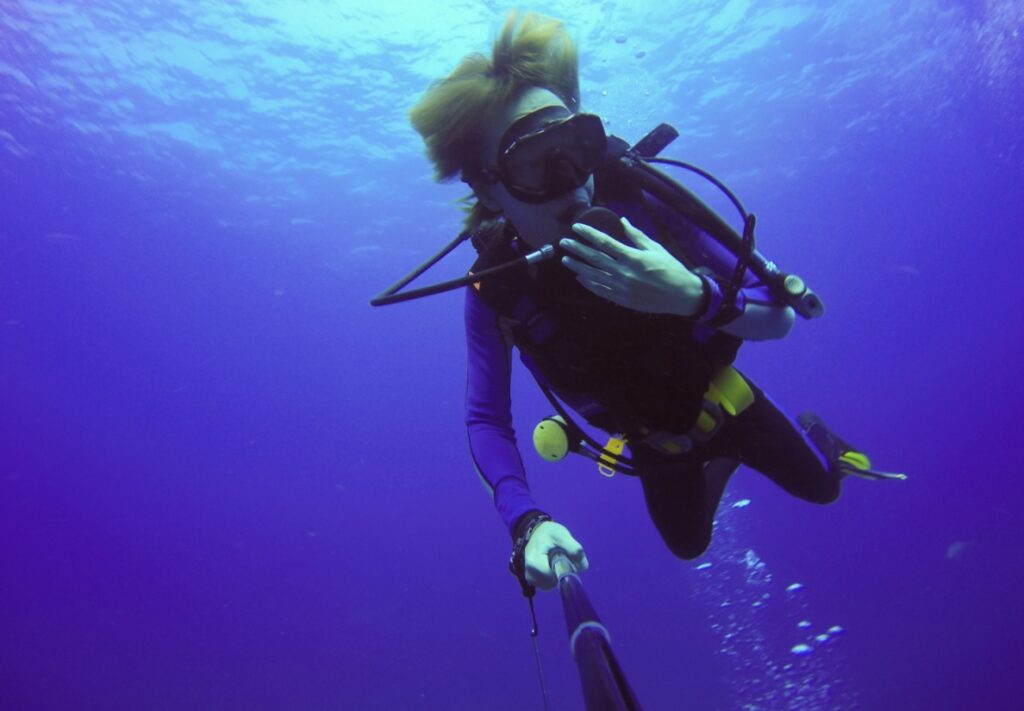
(623,305)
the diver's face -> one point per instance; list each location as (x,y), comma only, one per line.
(538,224)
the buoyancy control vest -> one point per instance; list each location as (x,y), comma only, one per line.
(624,371)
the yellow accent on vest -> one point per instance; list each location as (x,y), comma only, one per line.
(730,392)
(705,422)
(615,446)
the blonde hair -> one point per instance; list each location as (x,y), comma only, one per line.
(453,115)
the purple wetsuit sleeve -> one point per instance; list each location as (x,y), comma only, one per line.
(492,440)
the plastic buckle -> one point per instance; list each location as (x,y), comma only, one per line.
(606,462)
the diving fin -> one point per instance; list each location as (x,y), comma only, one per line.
(847,460)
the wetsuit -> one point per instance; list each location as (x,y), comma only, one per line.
(681,499)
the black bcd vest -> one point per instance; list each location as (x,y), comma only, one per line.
(624,371)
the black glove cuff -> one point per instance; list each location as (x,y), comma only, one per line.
(524,528)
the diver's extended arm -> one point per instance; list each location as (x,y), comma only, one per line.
(492,440)
(492,444)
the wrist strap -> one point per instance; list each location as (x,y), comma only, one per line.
(712,300)
(524,528)
(722,304)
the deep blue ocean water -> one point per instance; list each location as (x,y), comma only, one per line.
(229,483)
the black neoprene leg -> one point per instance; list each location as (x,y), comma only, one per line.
(682,500)
(766,439)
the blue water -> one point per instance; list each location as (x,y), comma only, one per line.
(229,483)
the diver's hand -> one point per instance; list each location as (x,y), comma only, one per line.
(545,538)
(643,278)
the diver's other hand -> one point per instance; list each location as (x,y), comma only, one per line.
(645,277)
(545,538)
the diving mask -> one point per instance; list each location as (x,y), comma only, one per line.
(548,153)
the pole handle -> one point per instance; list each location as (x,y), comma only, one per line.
(561,564)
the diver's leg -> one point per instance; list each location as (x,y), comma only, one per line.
(682,499)
(717,473)
(768,440)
